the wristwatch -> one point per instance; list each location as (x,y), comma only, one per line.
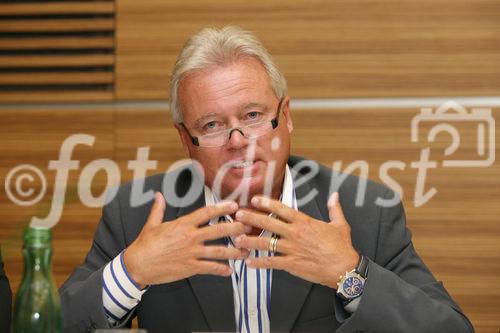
(352,284)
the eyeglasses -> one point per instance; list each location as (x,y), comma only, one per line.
(249,131)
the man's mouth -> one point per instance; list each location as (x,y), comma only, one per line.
(241,164)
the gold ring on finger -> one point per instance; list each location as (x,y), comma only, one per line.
(273,244)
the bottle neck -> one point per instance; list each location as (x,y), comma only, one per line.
(37,250)
(37,259)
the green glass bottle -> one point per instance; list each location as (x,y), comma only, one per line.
(37,307)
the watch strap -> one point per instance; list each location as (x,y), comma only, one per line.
(362,268)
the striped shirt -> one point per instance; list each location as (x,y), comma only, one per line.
(120,293)
(252,287)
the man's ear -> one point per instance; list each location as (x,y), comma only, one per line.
(286,113)
(184,138)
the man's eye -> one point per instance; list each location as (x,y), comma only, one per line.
(254,115)
(211,126)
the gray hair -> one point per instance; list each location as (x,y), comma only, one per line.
(217,47)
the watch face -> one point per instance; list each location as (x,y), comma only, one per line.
(352,286)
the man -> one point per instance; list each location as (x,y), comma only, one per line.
(265,244)
(5,300)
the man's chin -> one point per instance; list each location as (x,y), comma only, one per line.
(243,190)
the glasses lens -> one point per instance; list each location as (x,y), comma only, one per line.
(221,138)
(258,129)
(213,140)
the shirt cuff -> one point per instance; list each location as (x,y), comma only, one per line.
(120,293)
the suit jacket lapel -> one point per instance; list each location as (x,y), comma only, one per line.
(288,292)
(214,293)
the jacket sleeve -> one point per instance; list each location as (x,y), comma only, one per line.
(401,294)
(81,294)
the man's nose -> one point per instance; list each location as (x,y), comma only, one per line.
(237,139)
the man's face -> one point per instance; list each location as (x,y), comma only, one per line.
(226,97)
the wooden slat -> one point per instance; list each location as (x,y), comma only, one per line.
(78,60)
(55,96)
(56,42)
(326,48)
(57,25)
(55,78)
(97,7)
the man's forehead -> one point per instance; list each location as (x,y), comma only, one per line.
(224,90)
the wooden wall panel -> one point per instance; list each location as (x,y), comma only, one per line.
(56,51)
(35,137)
(456,232)
(326,49)
(161,137)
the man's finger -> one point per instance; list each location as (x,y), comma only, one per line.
(213,268)
(262,243)
(275,262)
(262,221)
(335,209)
(205,214)
(276,207)
(157,211)
(221,230)
(221,253)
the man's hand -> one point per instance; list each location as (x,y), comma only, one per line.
(310,249)
(167,252)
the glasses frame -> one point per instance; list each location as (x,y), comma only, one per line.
(195,139)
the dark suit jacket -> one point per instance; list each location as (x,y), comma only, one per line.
(5,300)
(401,295)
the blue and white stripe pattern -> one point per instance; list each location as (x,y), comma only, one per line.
(251,292)
(252,287)
(120,293)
